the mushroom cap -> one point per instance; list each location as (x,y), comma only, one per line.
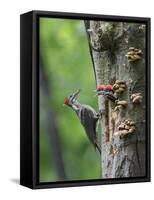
(123,103)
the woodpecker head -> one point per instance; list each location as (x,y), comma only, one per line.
(100,89)
(71,99)
(109,88)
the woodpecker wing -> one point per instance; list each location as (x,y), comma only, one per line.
(88,118)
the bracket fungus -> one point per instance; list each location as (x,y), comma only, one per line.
(126,127)
(119,87)
(134,54)
(122,102)
(120,105)
(136,98)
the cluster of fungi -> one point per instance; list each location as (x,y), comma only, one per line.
(134,54)
(126,126)
(119,87)
(136,98)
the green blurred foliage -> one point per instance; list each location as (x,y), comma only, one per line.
(68,66)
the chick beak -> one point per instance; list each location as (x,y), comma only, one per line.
(99,93)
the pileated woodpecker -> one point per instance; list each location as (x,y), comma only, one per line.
(87,115)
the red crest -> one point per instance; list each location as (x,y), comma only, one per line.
(66,101)
(108,87)
(100,87)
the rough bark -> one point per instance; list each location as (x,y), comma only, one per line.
(122,155)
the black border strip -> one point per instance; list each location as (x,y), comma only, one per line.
(84,16)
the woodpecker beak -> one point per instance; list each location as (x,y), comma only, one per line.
(75,95)
(99,93)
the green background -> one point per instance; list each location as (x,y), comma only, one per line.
(67,66)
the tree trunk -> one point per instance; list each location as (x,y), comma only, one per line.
(123,143)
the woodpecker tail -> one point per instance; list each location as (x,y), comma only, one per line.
(97,146)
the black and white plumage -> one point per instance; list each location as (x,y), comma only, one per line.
(88,118)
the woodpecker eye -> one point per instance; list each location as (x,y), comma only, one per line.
(66,101)
(100,87)
(108,87)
